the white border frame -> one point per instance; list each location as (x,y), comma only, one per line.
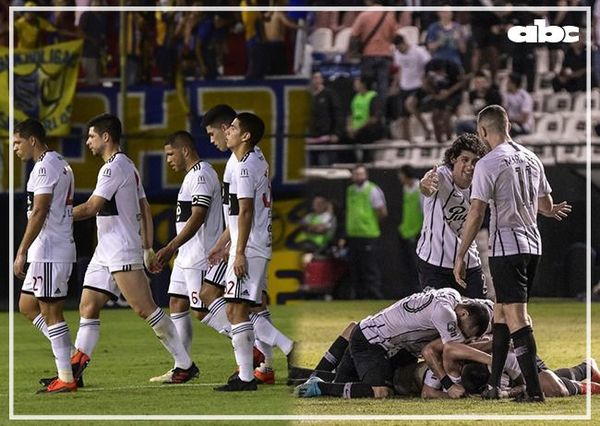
(13,416)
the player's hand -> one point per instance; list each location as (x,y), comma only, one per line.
(149,258)
(215,255)
(164,255)
(459,272)
(239,266)
(19,266)
(456,391)
(430,182)
(559,211)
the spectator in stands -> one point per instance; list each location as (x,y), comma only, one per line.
(327,121)
(365,210)
(210,42)
(486,28)
(333,19)
(572,75)
(524,60)
(166,50)
(30,27)
(410,61)
(376,55)
(92,28)
(410,226)
(518,104)
(317,228)
(65,20)
(443,85)
(445,39)
(364,123)
(484,93)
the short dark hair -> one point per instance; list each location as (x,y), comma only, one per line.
(219,114)
(479,316)
(409,171)
(179,139)
(516,78)
(31,127)
(398,39)
(474,377)
(465,142)
(252,124)
(494,118)
(107,123)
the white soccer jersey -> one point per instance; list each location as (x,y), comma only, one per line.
(200,187)
(250,179)
(511,178)
(51,174)
(444,215)
(413,322)
(118,222)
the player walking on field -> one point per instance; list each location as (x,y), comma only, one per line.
(511,179)
(124,246)
(47,245)
(199,222)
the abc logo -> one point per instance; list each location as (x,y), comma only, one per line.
(540,33)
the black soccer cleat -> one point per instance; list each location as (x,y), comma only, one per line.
(181,375)
(238,385)
(491,392)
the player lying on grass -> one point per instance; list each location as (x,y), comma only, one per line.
(394,337)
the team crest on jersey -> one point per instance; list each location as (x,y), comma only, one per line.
(452,329)
(42,171)
(106,172)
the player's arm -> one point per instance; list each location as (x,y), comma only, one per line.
(473,223)
(218,250)
(429,184)
(546,207)
(146,225)
(431,393)
(35,223)
(88,209)
(244,226)
(190,228)
(455,352)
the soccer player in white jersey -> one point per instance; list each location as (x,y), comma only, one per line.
(199,222)
(447,191)
(250,249)
(511,179)
(47,244)
(124,246)
(216,121)
(404,330)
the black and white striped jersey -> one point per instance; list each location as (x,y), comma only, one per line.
(444,215)
(200,187)
(52,175)
(511,179)
(413,322)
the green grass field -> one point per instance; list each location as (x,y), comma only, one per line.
(129,354)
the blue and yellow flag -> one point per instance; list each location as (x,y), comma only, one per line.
(44,86)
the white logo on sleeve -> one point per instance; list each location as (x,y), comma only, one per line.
(539,32)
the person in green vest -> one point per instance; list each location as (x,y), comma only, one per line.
(365,122)
(365,210)
(317,227)
(410,226)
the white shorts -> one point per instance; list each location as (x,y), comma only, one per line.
(216,274)
(251,287)
(99,278)
(47,280)
(186,284)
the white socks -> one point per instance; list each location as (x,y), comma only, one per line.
(267,333)
(217,317)
(40,323)
(242,339)
(183,325)
(61,347)
(167,334)
(88,335)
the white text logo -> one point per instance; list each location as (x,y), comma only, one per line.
(539,32)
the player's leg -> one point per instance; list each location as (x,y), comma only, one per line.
(29,307)
(179,306)
(579,371)
(211,295)
(332,357)
(134,286)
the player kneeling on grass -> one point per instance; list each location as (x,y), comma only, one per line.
(48,246)
(402,330)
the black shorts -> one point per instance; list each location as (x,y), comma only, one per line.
(364,362)
(438,277)
(401,102)
(513,276)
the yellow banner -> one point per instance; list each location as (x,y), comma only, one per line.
(44,85)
